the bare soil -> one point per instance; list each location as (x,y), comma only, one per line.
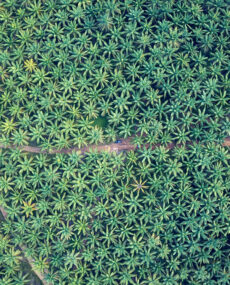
(126,145)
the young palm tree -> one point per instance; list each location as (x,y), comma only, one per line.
(20,137)
(8,126)
(62,141)
(6,183)
(140,185)
(126,129)
(110,134)
(115,118)
(95,135)
(40,264)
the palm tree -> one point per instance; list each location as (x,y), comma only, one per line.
(6,183)
(40,264)
(71,259)
(28,208)
(95,135)
(74,199)
(174,167)
(146,154)
(52,174)
(115,118)
(59,202)
(8,126)
(26,164)
(80,183)
(20,225)
(139,185)
(110,134)
(68,170)
(40,76)
(134,202)
(143,169)
(62,141)
(96,179)
(12,211)
(143,127)
(79,139)
(36,133)
(126,276)
(90,110)
(36,178)
(126,129)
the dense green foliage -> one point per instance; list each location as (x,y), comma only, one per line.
(80,72)
(160,68)
(122,219)
(14,269)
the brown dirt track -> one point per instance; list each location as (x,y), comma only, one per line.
(126,145)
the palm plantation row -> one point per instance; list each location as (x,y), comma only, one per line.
(120,219)
(77,75)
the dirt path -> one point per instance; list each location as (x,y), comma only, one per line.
(126,144)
